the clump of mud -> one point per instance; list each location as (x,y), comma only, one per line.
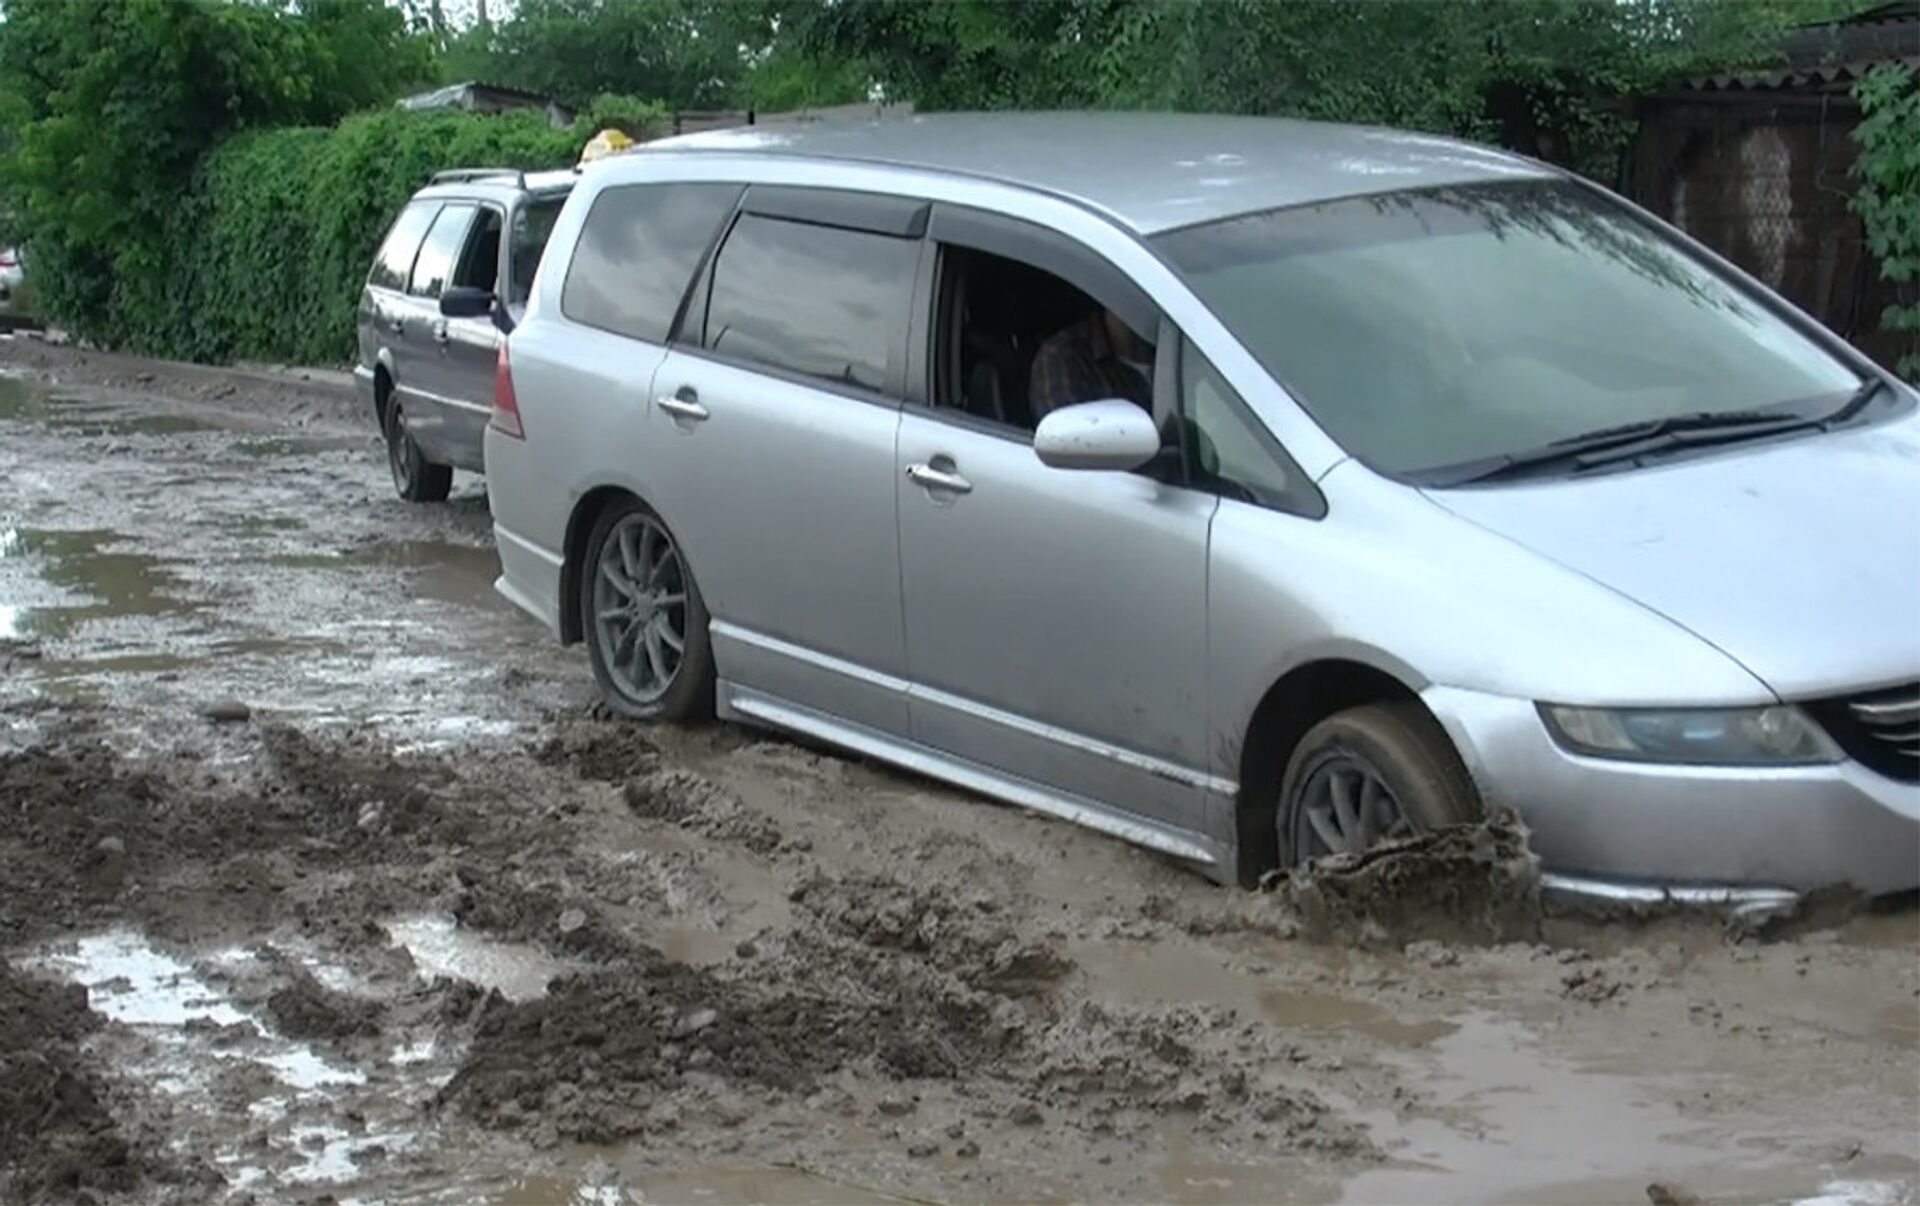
(605,751)
(304,1008)
(57,1137)
(697,803)
(1478,882)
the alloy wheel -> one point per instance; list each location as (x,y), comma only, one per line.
(1346,807)
(640,607)
(399,450)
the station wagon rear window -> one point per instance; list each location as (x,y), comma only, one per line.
(394,263)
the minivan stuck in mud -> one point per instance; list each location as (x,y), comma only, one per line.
(1250,489)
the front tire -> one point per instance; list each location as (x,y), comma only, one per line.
(644,621)
(1368,775)
(415,478)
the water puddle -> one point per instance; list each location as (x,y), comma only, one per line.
(441,948)
(436,569)
(1512,1121)
(106,424)
(51,582)
(1195,974)
(129,980)
(711,1186)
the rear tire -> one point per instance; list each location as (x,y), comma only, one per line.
(1369,774)
(643,619)
(415,478)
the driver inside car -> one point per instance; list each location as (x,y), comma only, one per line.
(1090,359)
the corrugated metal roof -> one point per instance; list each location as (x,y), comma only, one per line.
(1829,55)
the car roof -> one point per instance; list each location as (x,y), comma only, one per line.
(1148,171)
(506,184)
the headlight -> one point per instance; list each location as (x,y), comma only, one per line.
(1770,736)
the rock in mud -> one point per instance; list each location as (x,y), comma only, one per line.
(1478,882)
(227,711)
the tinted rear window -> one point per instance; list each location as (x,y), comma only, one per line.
(637,252)
(532,227)
(818,300)
(395,262)
(435,262)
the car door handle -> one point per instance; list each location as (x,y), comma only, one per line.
(440,335)
(930,478)
(397,326)
(682,407)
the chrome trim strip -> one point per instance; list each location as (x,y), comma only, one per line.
(800,653)
(1737,899)
(753,705)
(1891,711)
(1157,767)
(443,400)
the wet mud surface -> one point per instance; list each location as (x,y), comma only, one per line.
(321,879)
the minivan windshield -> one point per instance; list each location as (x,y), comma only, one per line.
(1442,327)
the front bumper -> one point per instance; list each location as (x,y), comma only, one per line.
(1738,834)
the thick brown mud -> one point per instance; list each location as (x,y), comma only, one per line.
(322,879)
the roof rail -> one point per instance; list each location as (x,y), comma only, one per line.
(460,175)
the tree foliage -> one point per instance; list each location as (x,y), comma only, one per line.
(1544,76)
(271,244)
(1889,198)
(686,53)
(114,103)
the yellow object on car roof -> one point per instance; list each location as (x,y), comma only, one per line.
(607,142)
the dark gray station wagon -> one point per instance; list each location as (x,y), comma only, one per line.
(454,272)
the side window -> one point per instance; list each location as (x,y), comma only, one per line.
(1230,452)
(444,242)
(819,300)
(638,251)
(394,263)
(532,227)
(480,262)
(1016,342)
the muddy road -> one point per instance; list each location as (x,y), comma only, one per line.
(321,879)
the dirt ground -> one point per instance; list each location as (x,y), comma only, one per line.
(322,879)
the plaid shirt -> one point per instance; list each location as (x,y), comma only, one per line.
(1078,364)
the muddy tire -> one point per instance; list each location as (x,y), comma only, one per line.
(1368,774)
(644,621)
(415,478)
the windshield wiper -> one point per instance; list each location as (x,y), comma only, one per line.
(1609,445)
(1855,403)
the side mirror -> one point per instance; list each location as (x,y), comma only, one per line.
(1112,434)
(466,301)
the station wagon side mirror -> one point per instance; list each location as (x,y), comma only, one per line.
(1110,434)
(466,301)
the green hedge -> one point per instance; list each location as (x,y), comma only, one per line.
(272,241)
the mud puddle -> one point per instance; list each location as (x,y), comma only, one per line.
(439,947)
(52,582)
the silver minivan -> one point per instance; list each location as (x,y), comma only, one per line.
(451,275)
(1249,489)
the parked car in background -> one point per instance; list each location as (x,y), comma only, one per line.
(13,279)
(1253,490)
(454,271)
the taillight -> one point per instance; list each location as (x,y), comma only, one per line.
(506,407)
(8,259)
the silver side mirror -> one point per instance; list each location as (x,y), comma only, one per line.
(1110,434)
